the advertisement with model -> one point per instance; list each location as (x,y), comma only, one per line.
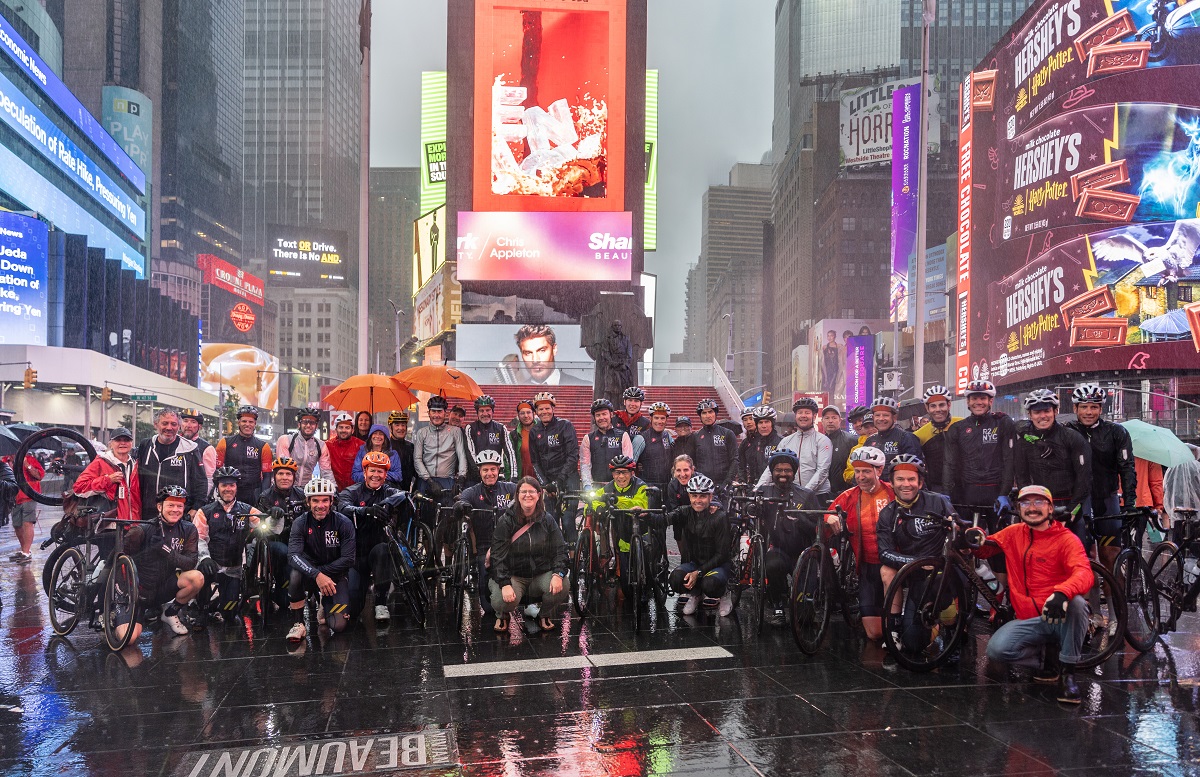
(1079,192)
(545,246)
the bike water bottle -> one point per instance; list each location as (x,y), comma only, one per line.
(837,561)
(1191,570)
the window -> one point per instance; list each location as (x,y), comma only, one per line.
(1185,293)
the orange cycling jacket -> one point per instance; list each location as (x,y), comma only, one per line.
(1040,563)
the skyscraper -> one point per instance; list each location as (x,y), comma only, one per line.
(395,204)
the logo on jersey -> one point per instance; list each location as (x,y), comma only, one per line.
(612,442)
(503,501)
(991,436)
(891,448)
(332,539)
(926,524)
(493,438)
(174,461)
(718,440)
(553,440)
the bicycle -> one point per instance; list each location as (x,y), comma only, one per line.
(1137,581)
(260,574)
(79,578)
(406,573)
(925,622)
(646,572)
(1175,593)
(418,536)
(462,582)
(587,567)
(821,569)
(750,570)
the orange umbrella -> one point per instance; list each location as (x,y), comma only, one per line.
(440,379)
(370,392)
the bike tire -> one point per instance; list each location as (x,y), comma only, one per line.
(48,567)
(637,575)
(120,602)
(407,583)
(1106,630)
(809,601)
(1166,570)
(68,591)
(462,581)
(849,588)
(30,443)
(758,583)
(424,550)
(1141,600)
(583,572)
(935,601)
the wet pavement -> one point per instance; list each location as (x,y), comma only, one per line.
(687,695)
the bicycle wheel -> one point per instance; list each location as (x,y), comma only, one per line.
(120,602)
(637,578)
(1166,570)
(931,621)
(38,439)
(849,585)
(407,582)
(758,583)
(264,580)
(1141,600)
(583,572)
(810,601)
(462,581)
(67,591)
(1106,627)
(423,549)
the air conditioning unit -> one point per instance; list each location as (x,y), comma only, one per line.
(893,380)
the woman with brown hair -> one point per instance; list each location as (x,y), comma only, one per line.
(528,559)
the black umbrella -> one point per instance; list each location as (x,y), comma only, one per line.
(9,442)
(23,430)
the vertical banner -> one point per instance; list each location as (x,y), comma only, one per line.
(860,371)
(128,115)
(906,112)
(962,351)
(651,208)
(433,140)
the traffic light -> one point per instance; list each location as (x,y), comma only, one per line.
(30,377)
(766,397)
(258,383)
(106,394)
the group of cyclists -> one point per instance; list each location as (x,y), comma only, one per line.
(323,502)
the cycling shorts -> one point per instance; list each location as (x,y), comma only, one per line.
(337,604)
(1106,531)
(870,592)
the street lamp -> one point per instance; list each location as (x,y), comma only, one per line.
(729,344)
(396,310)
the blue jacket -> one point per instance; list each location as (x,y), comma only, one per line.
(395,476)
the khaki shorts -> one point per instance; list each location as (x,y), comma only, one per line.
(26,512)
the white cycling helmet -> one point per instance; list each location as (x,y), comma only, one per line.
(1088,393)
(489,457)
(765,413)
(868,455)
(320,487)
(343,418)
(700,484)
(937,391)
(1039,398)
(981,387)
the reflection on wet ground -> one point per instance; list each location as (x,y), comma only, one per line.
(163,704)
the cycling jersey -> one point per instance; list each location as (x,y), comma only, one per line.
(597,450)
(223,532)
(895,441)
(933,452)
(815,453)
(1058,458)
(251,456)
(156,567)
(1113,465)
(309,453)
(862,519)
(706,538)
(979,452)
(715,452)
(1040,563)
(481,496)
(753,454)
(356,503)
(322,547)
(554,450)
(908,532)
(291,502)
(439,452)
(636,495)
(656,459)
(492,436)
(177,464)
(634,424)
(787,533)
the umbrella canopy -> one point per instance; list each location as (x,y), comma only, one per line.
(9,442)
(1157,444)
(440,379)
(373,393)
(22,430)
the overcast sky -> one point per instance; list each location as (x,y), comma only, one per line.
(715,84)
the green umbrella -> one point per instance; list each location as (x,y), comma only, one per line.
(1157,444)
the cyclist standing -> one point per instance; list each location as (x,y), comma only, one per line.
(911,527)
(1114,471)
(787,536)
(749,426)
(490,494)
(863,503)
(166,563)
(223,527)
(631,419)
(888,437)
(166,459)
(932,436)
(1047,595)
(309,453)
(863,423)
(321,552)
(842,442)
(754,451)
(554,448)
(715,446)
(398,425)
(1055,456)
(600,446)
(343,450)
(190,422)
(487,434)
(440,456)
(522,425)
(813,451)
(655,460)
(706,550)
(246,453)
(369,506)
(685,441)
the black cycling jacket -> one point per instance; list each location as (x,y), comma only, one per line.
(843,442)
(791,535)
(1058,459)
(368,510)
(326,546)
(894,442)
(155,566)
(753,454)
(657,458)
(292,503)
(228,532)
(716,450)
(480,496)
(906,533)
(554,449)
(707,537)
(979,452)
(539,550)
(1113,466)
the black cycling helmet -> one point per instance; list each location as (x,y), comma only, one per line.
(634,392)
(249,410)
(783,455)
(437,402)
(193,414)
(602,404)
(171,492)
(226,474)
(907,461)
(706,404)
(806,403)
(308,412)
(484,401)
(621,461)
(858,413)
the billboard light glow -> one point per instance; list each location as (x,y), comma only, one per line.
(241,368)
(24,247)
(433,140)
(545,246)
(306,256)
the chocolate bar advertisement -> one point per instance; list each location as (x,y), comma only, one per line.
(1079,192)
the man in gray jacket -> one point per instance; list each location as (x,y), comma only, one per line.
(813,449)
(439,454)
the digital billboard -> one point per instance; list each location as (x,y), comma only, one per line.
(841,361)
(24,246)
(1078,195)
(128,115)
(545,246)
(650,224)
(865,122)
(549,120)
(906,166)
(306,256)
(526,355)
(220,273)
(251,372)
(433,140)
(429,246)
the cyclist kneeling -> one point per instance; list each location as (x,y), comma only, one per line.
(529,557)
(493,496)
(706,563)
(1049,575)
(626,492)
(321,554)
(166,564)
(863,505)
(786,536)
(369,506)
(282,502)
(224,526)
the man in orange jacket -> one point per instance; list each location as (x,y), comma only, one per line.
(862,504)
(1048,577)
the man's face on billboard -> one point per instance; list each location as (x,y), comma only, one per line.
(537,357)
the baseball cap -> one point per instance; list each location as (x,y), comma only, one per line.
(1041,491)
(121,432)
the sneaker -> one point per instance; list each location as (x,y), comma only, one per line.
(775,617)
(297,633)
(1068,689)
(15,557)
(533,611)
(382,614)
(23,557)
(726,605)
(174,623)
(691,605)
(682,600)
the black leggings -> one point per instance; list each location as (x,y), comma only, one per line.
(336,606)
(778,565)
(374,567)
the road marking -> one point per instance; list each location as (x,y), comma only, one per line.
(582,662)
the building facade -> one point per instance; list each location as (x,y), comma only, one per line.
(395,205)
